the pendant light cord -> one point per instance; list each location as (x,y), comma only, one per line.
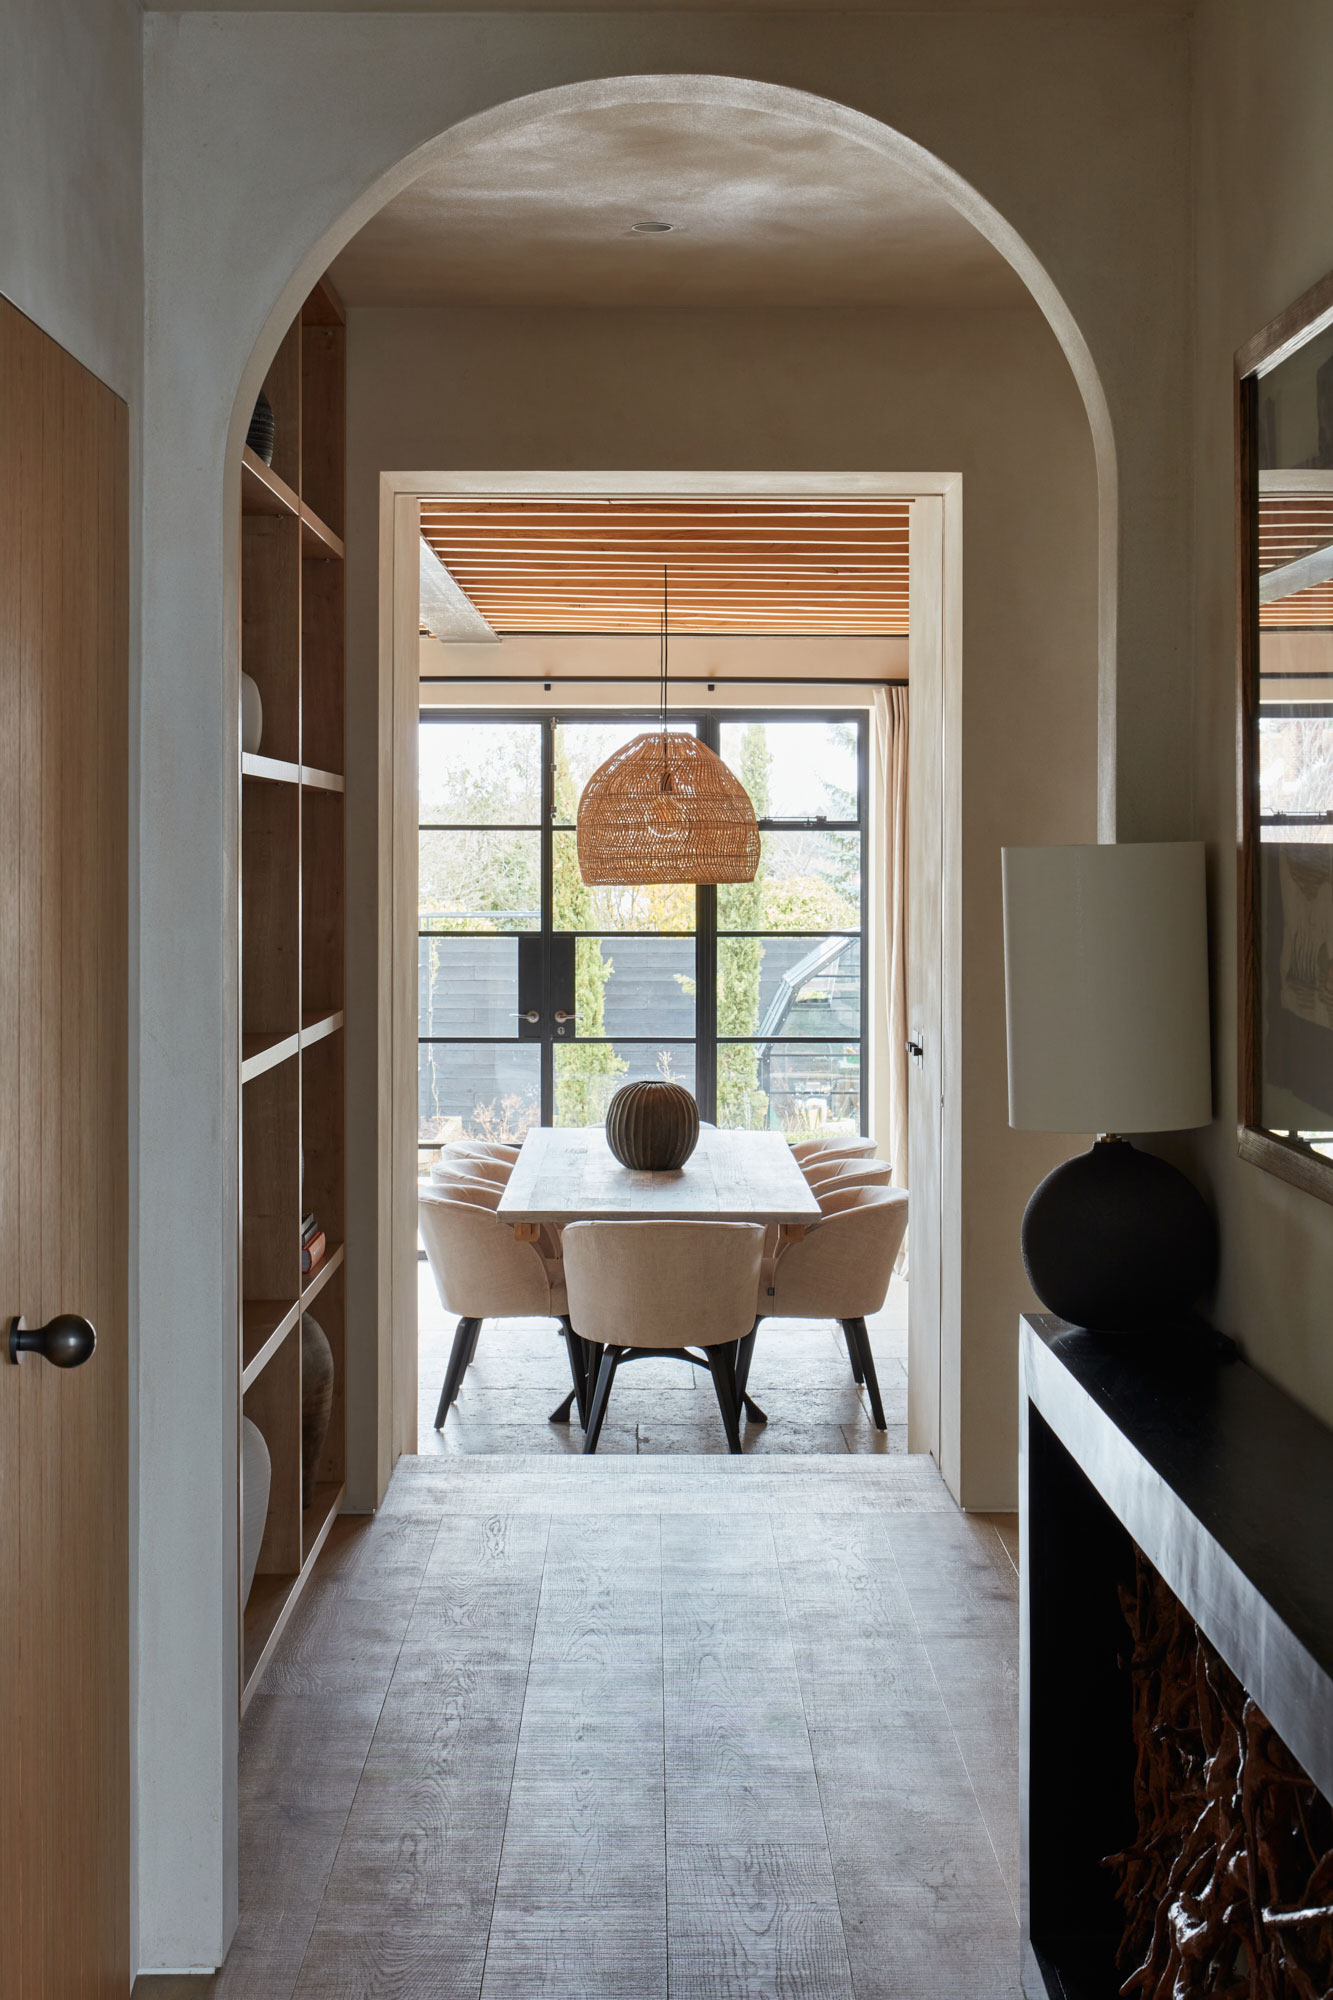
(662,661)
(666,766)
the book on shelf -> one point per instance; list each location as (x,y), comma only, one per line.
(308,1226)
(313,1251)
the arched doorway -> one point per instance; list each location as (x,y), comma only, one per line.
(178,720)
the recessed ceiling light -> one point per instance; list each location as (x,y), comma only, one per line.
(651,228)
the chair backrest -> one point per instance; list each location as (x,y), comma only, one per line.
(480,1166)
(482,1149)
(485,1193)
(481,1270)
(807,1150)
(662,1284)
(853,1174)
(824,1169)
(842,1266)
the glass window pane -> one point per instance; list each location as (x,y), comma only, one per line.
(467,986)
(804,1089)
(480,881)
(477,1090)
(635,986)
(577,907)
(581,747)
(795,770)
(588,1073)
(807,881)
(481,773)
(789,986)
(1295,776)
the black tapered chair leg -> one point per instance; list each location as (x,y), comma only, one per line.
(744,1356)
(853,1353)
(462,1351)
(722,1362)
(578,1367)
(868,1372)
(578,1375)
(606,1375)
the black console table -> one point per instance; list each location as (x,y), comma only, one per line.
(1226,1485)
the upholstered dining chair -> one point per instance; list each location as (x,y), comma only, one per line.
(482,1272)
(852,1174)
(840,1269)
(480,1167)
(641,1288)
(808,1152)
(482,1149)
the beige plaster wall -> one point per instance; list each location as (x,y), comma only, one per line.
(987,394)
(71,236)
(1265,234)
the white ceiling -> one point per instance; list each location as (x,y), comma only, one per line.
(766,211)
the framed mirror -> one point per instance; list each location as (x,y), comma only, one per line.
(1284,494)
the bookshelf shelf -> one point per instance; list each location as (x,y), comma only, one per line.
(292,889)
(265,1052)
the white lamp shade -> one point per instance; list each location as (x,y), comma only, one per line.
(1106,987)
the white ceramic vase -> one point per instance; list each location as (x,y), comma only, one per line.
(252,716)
(256,1477)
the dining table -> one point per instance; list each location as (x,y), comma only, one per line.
(569,1174)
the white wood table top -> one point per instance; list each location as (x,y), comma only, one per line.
(571,1175)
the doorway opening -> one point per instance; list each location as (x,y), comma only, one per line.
(539,997)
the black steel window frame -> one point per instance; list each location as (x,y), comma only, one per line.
(1294,711)
(707,724)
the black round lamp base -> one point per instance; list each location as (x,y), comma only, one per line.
(1118,1240)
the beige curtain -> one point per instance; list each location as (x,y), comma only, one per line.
(888,838)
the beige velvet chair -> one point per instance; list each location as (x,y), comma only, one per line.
(808,1152)
(840,1269)
(479,1166)
(481,1272)
(483,1149)
(852,1174)
(641,1288)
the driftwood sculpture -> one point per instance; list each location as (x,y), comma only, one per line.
(1227,1888)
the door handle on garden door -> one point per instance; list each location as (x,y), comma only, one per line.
(561,1017)
(65,1341)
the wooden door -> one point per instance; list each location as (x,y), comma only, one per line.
(925,938)
(64,1467)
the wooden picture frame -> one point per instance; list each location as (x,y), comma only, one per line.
(1281,1153)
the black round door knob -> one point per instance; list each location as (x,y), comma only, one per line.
(65,1341)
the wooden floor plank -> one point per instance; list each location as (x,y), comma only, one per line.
(556,1728)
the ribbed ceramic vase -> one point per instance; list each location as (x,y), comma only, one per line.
(652,1126)
(316,1400)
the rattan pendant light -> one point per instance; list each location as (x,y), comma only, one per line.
(664,808)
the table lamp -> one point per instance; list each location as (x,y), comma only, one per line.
(1106,992)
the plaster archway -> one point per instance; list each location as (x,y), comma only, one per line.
(736,94)
(181,1925)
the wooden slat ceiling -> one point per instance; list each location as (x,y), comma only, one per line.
(1291,526)
(809,567)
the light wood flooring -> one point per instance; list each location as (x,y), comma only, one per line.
(800,1377)
(630,1727)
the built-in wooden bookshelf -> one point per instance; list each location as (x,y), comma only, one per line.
(292,892)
